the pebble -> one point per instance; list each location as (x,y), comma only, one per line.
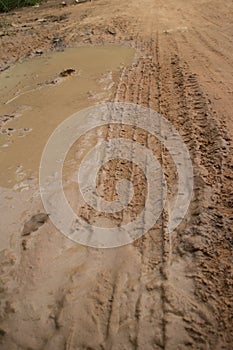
(39,52)
(34,223)
(67,72)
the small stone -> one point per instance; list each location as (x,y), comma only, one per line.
(55,40)
(39,52)
(80,1)
(111,31)
(41,20)
(34,223)
(67,72)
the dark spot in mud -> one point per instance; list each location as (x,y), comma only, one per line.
(34,223)
(2,332)
(4,68)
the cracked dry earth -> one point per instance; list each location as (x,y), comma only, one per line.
(160,292)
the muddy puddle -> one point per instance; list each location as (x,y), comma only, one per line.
(35,97)
(38,94)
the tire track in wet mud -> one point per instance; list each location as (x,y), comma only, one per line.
(183,103)
(207,142)
(136,87)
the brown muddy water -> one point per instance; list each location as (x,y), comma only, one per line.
(36,95)
(39,94)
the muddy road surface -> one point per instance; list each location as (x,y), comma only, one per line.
(164,290)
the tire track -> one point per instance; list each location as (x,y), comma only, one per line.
(161,292)
(190,113)
(206,143)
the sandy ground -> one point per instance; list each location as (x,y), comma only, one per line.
(161,292)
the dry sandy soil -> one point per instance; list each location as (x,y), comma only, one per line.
(161,292)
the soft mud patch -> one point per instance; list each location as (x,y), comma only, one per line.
(36,96)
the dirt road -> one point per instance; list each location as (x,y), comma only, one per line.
(162,291)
